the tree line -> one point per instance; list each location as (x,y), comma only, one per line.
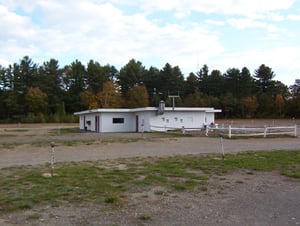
(49,93)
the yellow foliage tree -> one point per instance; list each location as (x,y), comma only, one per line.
(109,97)
(138,97)
(89,99)
(36,100)
(279,102)
(250,104)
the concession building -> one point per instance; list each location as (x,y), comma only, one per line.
(146,119)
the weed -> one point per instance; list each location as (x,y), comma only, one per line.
(159,192)
(111,199)
(34,216)
(145,217)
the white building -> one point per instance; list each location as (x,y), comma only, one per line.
(145,119)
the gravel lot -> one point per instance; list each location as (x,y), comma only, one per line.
(232,199)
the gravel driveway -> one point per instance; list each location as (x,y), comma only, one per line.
(27,154)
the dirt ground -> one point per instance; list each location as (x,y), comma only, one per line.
(237,198)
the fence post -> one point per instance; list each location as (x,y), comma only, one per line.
(229,131)
(265,131)
(295,133)
(52,145)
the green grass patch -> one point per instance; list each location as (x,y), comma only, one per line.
(16,130)
(145,217)
(64,131)
(23,187)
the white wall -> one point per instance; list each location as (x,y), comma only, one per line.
(144,120)
(179,119)
(210,116)
(83,122)
(107,125)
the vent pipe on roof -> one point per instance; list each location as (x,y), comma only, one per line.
(161,107)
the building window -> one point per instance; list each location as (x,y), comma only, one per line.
(181,120)
(118,120)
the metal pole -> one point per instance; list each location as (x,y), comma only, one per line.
(52,144)
(222,148)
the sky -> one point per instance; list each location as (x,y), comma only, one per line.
(186,33)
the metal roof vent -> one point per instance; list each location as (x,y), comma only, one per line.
(161,107)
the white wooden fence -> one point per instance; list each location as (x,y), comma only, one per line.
(236,131)
(256,131)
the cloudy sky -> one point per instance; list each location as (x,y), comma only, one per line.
(187,33)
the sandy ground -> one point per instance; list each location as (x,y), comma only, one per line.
(237,198)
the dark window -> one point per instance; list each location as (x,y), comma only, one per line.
(118,120)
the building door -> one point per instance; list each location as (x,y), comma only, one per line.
(137,123)
(97,123)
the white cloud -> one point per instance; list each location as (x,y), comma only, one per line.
(238,7)
(243,23)
(283,61)
(215,22)
(293,17)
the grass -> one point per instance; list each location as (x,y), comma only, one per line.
(24,187)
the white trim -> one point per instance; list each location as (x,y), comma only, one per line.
(133,110)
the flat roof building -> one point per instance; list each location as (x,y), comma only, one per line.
(145,119)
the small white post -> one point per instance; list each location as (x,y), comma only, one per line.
(143,130)
(222,148)
(265,131)
(52,144)
(295,131)
(229,131)
(182,130)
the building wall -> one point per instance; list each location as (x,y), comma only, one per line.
(178,119)
(117,122)
(87,122)
(210,118)
(144,120)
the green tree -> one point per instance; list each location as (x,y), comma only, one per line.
(151,80)
(24,75)
(191,84)
(264,76)
(97,75)
(51,83)
(295,89)
(247,83)
(131,75)
(171,81)
(233,82)
(75,82)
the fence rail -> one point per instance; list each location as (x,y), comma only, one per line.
(257,131)
(235,131)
